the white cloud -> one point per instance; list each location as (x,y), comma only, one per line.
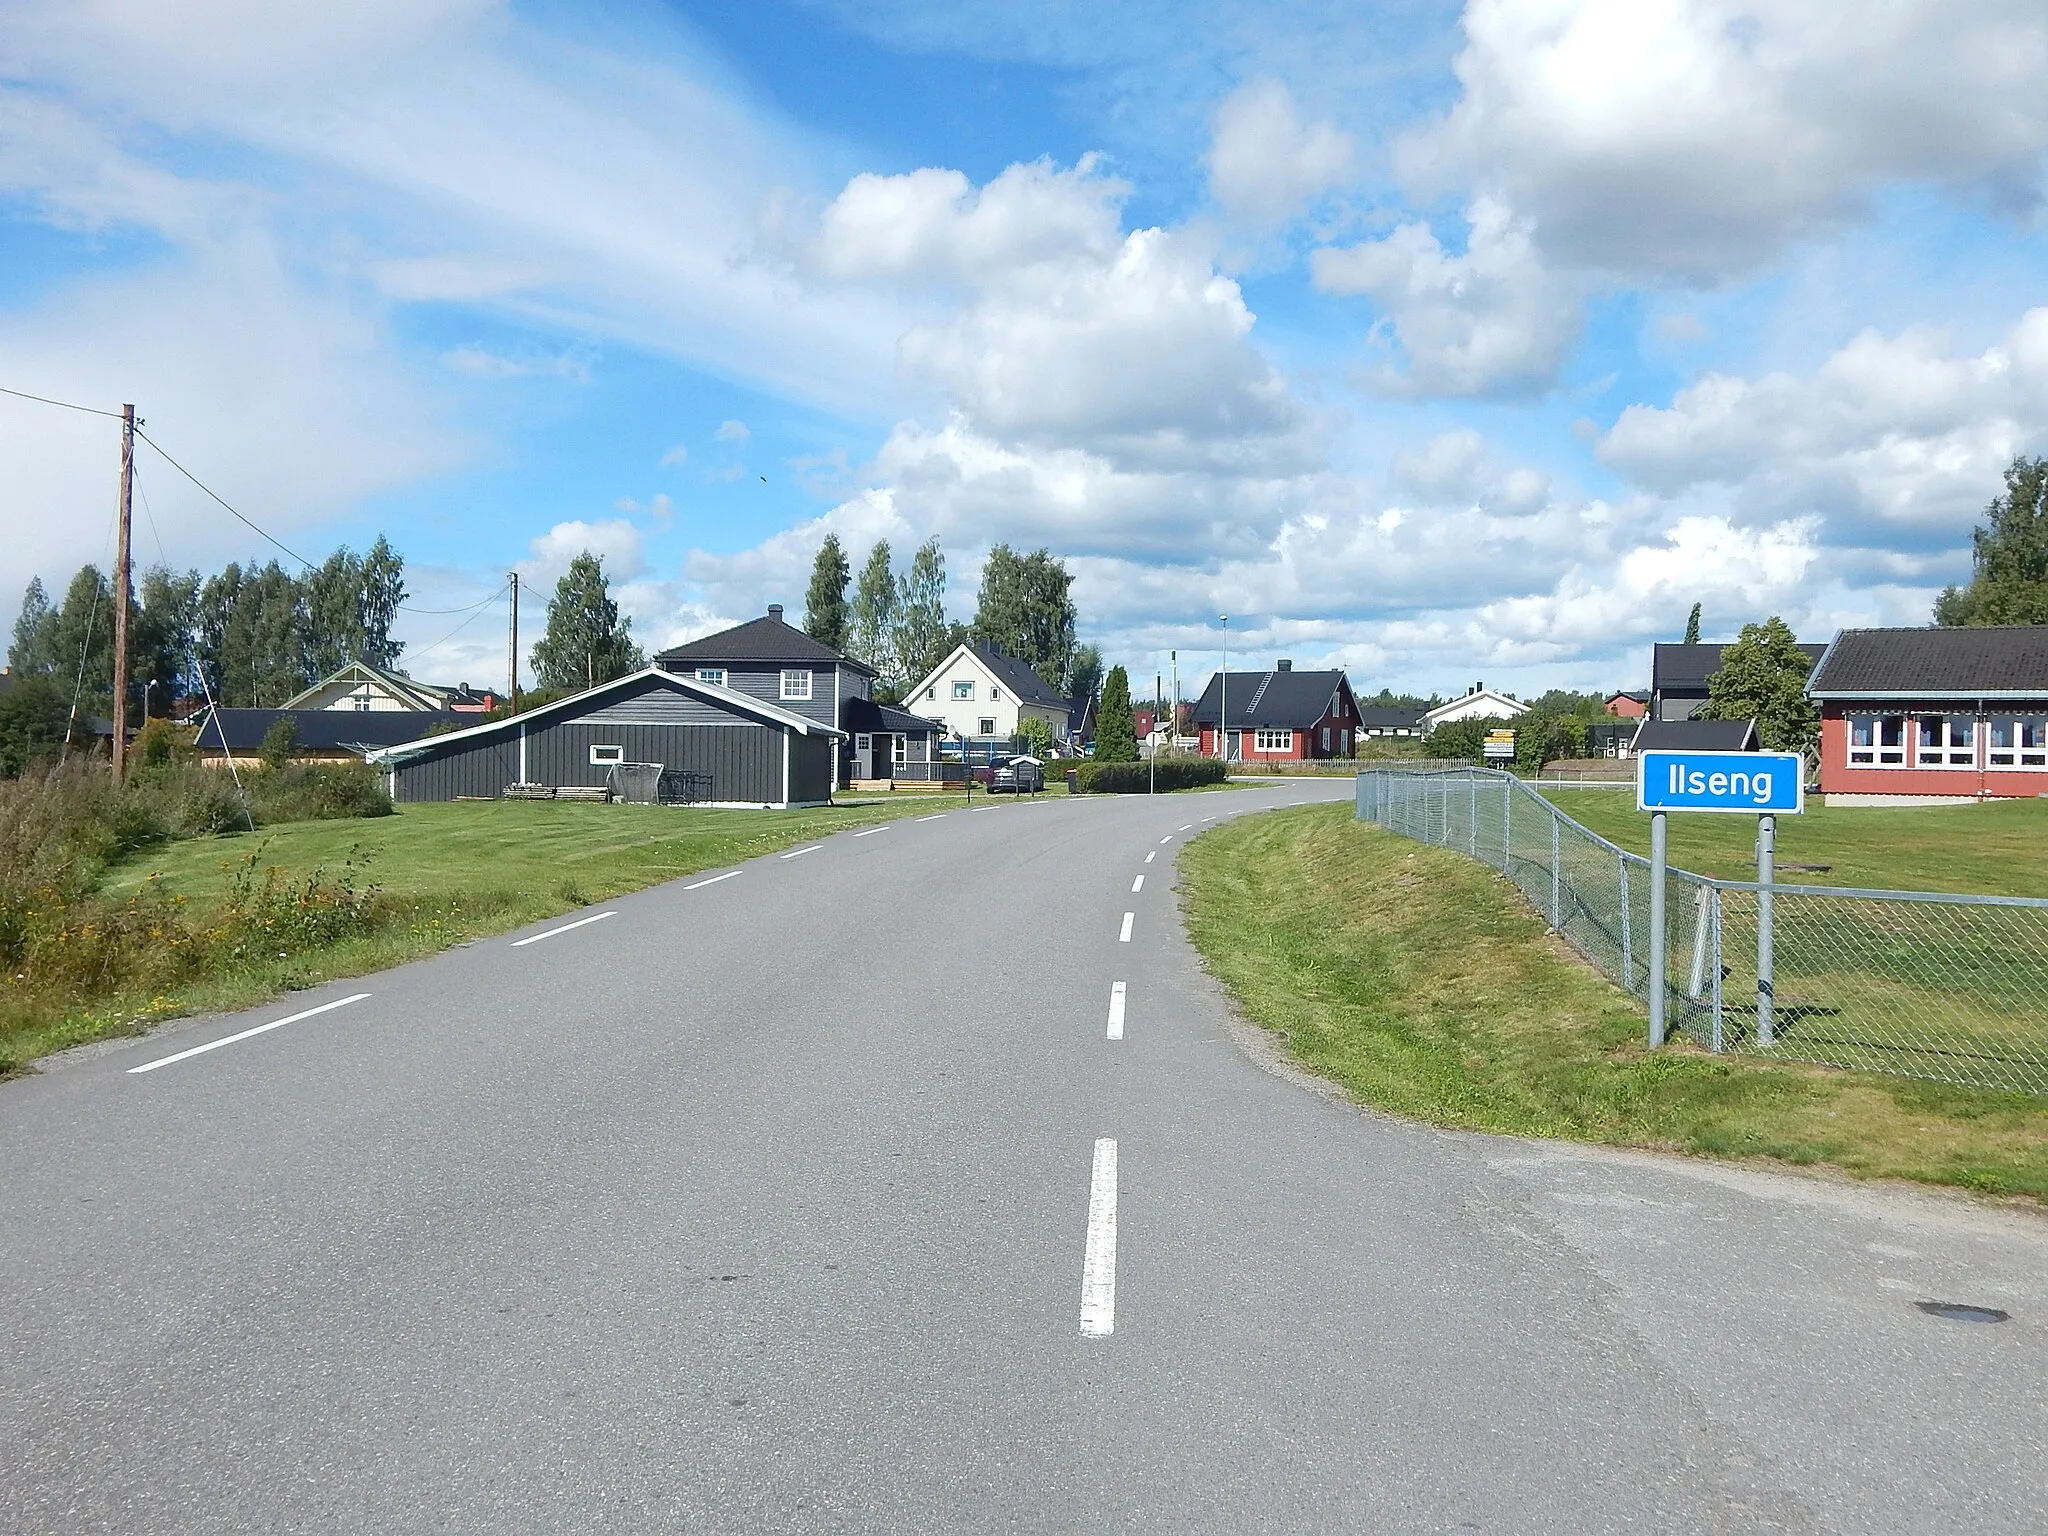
(481,363)
(615,541)
(1697,138)
(1264,163)
(1900,441)
(1493,319)
(679,454)
(731,432)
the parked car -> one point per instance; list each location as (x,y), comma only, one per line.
(1017,775)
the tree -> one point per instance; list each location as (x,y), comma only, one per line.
(280,742)
(162,636)
(1037,736)
(586,642)
(1763,678)
(825,603)
(34,651)
(2009,556)
(33,714)
(252,633)
(1084,673)
(78,641)
(1116,727)
(921,638)
(871,626)
(383,591)
(350,601)
(1692,626)
(1024,607)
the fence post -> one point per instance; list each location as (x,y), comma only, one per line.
(1628,957)
(1556,877)
(1715,901)
(1766,858)
(1659,835)
(1507,828)
(1702,922)
(1472,831)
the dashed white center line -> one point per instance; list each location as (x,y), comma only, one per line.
(1098,1262)
(1152,855)
(1125,936)
(1137,885)
(1116,1010)
(729,874)
(871,831)
(940,817)
(1168,838)
(260,1029)
(580,922)
(1208,818)
(797,853)
(1180,829)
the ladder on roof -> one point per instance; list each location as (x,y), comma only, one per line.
(1264,683)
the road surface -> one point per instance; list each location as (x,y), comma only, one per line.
(921,1182)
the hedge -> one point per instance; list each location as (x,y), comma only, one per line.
(1093,778)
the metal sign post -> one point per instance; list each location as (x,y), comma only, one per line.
(1766,858)
(1659,845)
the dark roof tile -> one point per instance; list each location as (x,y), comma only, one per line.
(1280,700)
(1905,663)
(762,639)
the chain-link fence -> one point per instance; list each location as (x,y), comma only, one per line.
(1953,988)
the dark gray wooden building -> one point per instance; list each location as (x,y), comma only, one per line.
(748,752)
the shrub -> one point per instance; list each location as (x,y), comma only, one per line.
(280,742)
(1097,778)
(318,792)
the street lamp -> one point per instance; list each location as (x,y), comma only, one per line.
(1223,703)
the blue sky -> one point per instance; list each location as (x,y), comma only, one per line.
(1437,341)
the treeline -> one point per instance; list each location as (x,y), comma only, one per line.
(2009,556)
(251,635)
(897,624)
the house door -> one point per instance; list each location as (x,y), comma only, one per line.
(883,757)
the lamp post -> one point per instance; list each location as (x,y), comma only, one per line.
(1223,702)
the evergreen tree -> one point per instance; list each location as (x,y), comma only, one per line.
(587,642)
(1084,673)
(1024,607)
(161,638)
(1116,726)
(33,715)
(1692,626)
(2009,556)
(1763,678)
(81,643)
(383,590)
(252,636)
(825,603)
(871,625)
(921,638)
(34,651)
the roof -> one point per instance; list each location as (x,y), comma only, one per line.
(320,730)
(1996,661)
(1687,667)
(1696,736)
(1388,716)
(425,695)
(763,639)
(1637,694)
(857,714)
(576,703)
(1279,700)
(1508,708)
(1019,676)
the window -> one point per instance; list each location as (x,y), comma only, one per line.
(712,675)
(1947,741)
(1878,740)
(963,689)
(988,725)
(1272,741)
(932,692)
(600,756)
(2019,741)
(860,743)
(1326,738)
(994,693)
(900,751)
(796,683)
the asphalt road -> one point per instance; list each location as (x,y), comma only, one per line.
(819,1198)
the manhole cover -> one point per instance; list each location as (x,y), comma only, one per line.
(1961,1312)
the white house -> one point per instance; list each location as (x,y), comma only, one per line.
(981,692)
(360,686)
(1482,703)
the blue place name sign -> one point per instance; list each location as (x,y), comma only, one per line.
(1751,783)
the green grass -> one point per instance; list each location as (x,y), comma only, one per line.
(445,874)
(1422,983)
(1998,848)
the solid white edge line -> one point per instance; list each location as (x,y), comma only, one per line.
(871,831)
(940,817)
(1125,936)
(1098,1261)
(1116,1010)
(729,874)
(1137,885)
(579,923)
(260,1029)
(797,853)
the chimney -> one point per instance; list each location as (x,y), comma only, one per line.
(775,612)
(1286,666)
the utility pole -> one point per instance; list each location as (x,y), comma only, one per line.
(512,667)
(121,593)
(1223,703)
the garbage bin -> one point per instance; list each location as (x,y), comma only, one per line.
(1073,781)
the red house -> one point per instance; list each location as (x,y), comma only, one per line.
(1628,706)
(1278,716)
(1933,716)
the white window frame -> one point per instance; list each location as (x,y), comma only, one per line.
(994,693)
(1946,752)
(861,742)
(932,692)
(1874,751)
(796,683)
(599,759)
(1268,739)
(2018,755)
(1326,738)
(715,676)
(963,690)
(988,725)
(899,751)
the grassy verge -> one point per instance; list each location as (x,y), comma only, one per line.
(417,882)
(1420,982)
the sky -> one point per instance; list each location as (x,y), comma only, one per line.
(1441,343)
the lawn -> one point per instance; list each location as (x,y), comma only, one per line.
(1421,982)
(1998,848)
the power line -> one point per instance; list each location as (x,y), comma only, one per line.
(90,410)
(458,629)
(246,522)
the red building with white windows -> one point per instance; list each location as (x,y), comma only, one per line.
(1933,716)
(1278,716)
